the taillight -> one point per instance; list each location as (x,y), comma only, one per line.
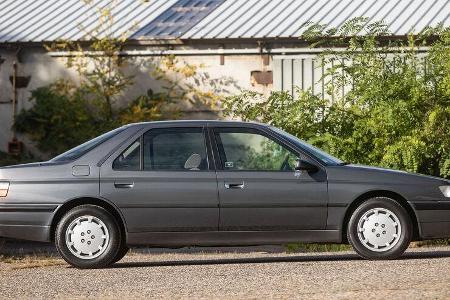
(4,187)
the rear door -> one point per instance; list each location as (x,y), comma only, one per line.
(259,188)
(164,181)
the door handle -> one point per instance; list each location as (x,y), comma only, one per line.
(123,185)
(234,185)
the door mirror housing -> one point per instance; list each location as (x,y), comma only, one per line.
(303,165)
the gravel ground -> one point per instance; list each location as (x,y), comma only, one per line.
(421,274)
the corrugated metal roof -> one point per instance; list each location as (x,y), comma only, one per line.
(48,20)
(286,18)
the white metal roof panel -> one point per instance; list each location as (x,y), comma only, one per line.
(287,18)
(49,20)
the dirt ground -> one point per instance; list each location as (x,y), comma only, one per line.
(233,273)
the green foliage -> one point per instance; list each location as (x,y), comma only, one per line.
(396,110)
(60,118)
(8,159)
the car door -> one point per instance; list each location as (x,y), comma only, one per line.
(162,181)
(258,186)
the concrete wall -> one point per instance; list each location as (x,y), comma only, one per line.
(45,69)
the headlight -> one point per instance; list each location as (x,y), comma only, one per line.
(4,187)
(445,189)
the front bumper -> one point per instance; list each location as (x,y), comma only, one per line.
(433,219)
(26,221)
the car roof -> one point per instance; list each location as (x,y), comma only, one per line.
(220,123)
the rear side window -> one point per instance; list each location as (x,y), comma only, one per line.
(130,159)
(82,149)
(175,149)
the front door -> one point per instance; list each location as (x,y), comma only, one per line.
(259,188)
(163,182)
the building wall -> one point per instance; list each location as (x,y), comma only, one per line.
(299,71)
(42,70)
(45,69)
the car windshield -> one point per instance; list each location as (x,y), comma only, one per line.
(318,153)
(84,148)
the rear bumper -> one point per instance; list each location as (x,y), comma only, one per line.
(433,219)
(26,221)
(26,232)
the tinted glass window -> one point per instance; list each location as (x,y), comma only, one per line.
(175,149)
(82,149)
(250,151)
(318,153)
(130,159)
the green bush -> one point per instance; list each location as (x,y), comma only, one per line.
(396,113)
(62,117)
(59,119)
(7,159)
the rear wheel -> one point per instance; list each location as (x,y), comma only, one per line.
(88,236)
(380,228)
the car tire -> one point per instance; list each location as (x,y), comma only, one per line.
(88,237)
(380,228)
(121,254)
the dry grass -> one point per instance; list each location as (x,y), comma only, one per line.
(39,259)
(31,261)
(431,243)
(307,247)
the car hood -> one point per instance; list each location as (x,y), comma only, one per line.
(382,174)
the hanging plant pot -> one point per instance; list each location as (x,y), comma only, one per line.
(21,81)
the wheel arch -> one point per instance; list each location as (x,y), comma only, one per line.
(67,206)
(380,193)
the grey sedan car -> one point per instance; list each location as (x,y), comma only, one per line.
(183,183)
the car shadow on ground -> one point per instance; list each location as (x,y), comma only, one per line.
(276,259)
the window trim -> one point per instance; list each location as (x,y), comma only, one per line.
(209,159)
(219,162)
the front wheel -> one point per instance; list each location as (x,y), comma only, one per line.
(88,237)
(380,228)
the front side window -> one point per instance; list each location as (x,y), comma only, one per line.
(316,152)
(175,149)
(251,151)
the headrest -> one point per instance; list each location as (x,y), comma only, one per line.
(193,162)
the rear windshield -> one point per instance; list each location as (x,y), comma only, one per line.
(84,148)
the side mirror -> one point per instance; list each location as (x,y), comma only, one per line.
(303,165)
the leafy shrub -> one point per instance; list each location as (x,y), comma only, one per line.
(59,119)
(395,114)
(7,159)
